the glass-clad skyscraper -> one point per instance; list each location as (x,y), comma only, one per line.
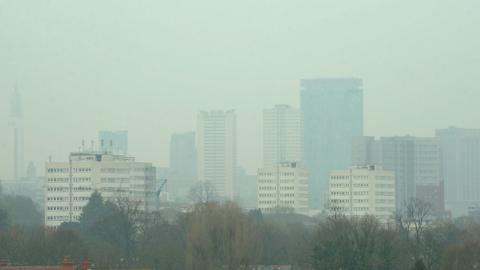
(115,142)
(333,115)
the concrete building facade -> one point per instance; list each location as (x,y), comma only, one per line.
(217,151)
(363,190)
(68,185)
(284,186)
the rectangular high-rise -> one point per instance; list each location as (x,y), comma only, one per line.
(282,135)
(183,164)
(217,151)
(333,115)
(114,142)
(414,160)
(183,154)
(460,152)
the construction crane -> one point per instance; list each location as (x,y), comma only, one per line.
(159,190)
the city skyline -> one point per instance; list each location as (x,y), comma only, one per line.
(251,168)
(154,63)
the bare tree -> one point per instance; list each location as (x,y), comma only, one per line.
(412,221)
(202,192)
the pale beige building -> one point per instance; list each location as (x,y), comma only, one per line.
(283,187)
(68,185)
(363,190)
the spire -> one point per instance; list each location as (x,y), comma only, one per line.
(16,103)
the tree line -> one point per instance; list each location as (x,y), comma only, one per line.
(221,235)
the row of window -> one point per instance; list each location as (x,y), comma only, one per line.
(384,185)
(388,209)
(58,218)
(281,202)
(384,193)
(66,179)
(114,180)
(64,208)
(58,170)
(57,189)
(384,201)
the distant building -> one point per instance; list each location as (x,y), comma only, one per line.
(183,163)
(414,160)
(333,115)
(16,116)
(114,142)
(363,190)
(433,194)
(283,187)
(217,151)
(245,187)
(282,135)
(70,184)
(460,152)
(30,186)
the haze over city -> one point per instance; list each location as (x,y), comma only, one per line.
(150,66)
(239,135)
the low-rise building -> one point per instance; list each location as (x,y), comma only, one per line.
(68,185)
(363,190)
(283,186)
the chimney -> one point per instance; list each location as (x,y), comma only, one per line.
(67,263)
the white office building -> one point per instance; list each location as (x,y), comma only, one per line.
(68,185)
(217,151)
(363,190)
(283,186)
(282,135)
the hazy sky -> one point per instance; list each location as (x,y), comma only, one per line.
(149,66)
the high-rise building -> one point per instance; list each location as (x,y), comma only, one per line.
(460,153)
(414,160)
(70,184)
(333,115)
(114,142)
(16,123)
(363,190)
(183,154)
(283,186)
(183,164)
(217,151)
(282,135)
